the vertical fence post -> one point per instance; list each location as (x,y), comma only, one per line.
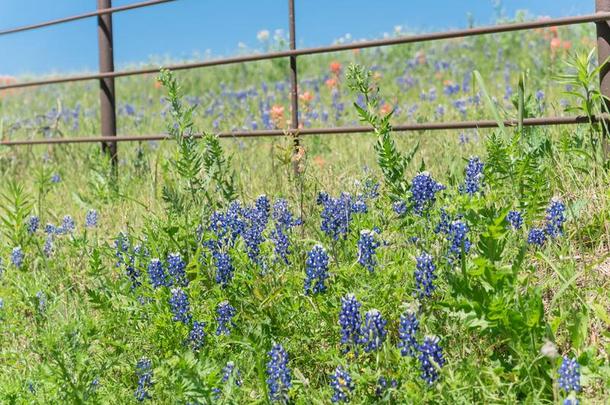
(294,94)
(603,53)
(106,62)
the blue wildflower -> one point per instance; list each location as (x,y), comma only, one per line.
(555,218)
(145,375)
(197,335)
(336,214)
(67,225)
(17,257)
(400,208)
(444,223)
(284,221)
(91,219)
(359,205)
(458,236)
(473,176)
(176,269)
(423,191)
(55,178)
(279,379)
(179,305)
(342,384)
(424,276)
(515,219)
(431,359)
(224,268)
(571,401)
(50,229)
(225,312)
(350,321)
(407,330)
(41,297)
(256,219)
(156,273)
(569,375)
(231,371)
(383,384)
(33,224)
(373,332)
(367,249)
(536,236)
(316,270)
(47,248)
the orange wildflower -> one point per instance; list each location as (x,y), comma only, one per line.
(335,67)
(385,109)
(306,97)
(330,83)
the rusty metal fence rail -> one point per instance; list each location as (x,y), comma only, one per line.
(107,74)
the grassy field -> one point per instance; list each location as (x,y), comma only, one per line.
(434,267)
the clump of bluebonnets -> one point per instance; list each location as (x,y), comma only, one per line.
(431,359)
(179,305)
(225,313)
(367,249)
(407,331)
(399,207)
(145,379)
(515,219)
(91,219)
(284,221)
(569,375)
(256,218)
(279,378)
(424,276)
(33,224)
(536,236)
(176,268)
(336,214)
(555,218)
(423,191)
(350,321)
(316,270)
(17,257)
(373,331)
(473,176)
(196,336)
(156,274)
(342,385)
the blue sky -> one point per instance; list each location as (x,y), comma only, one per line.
(181,29)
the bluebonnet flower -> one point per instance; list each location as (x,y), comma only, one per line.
(55,178)
(50,229)
(569,375)
(409,325)
(336,214)
(515,219)
(197,335)
(67,225)
(91,219)
(359,205)
(383,384)
(231,371)
(373,332)
(177,270)
(47,248)
(423,191)
(17,257)
(279,379)
(444,223)
(227,226)
(33,224)
(400,207)
(126,256)
(156,273)
(536,236)
(571,401)
(316,270)
(225,312)
(371,188)
(224,268)
(458,236)
(430,357)
(256,219)
(284,221)
(473,176)
(555,218)
(145,375)
(367,249)
(41,297)
(350,321)
(424,276)
(179,305)
(342,384)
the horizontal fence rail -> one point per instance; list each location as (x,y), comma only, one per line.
(328,49)
(450,125)
(107,75)
(96,13)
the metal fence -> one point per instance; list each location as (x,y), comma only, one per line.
(107,74)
